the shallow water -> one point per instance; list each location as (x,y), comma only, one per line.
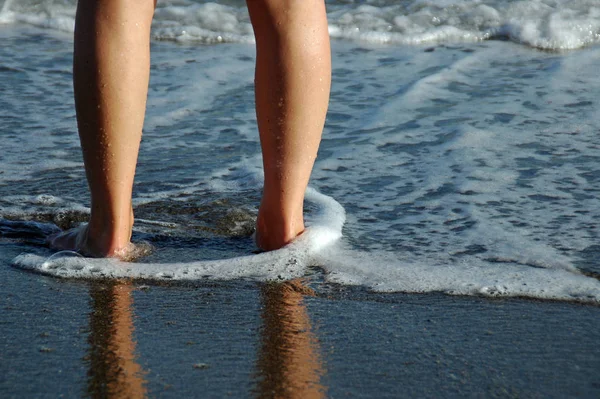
(461,143)
(464,166)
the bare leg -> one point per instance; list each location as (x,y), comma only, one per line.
(110,72)
(293,78)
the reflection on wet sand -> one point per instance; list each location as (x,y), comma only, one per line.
(288,364)
(113,372)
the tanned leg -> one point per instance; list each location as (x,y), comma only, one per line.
(110,72)
(293,78)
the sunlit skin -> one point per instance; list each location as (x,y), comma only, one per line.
(111,72)
(293,75)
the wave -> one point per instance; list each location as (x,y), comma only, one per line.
(319,246)
(543,24)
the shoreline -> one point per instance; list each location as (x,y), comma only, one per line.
(206,337)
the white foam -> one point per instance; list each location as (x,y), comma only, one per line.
(205,23)
(556,25)
(390,273)
(45,14)
(286,263)
(24,206)
(547,24)
(376,270)
(481,159)
(6,15)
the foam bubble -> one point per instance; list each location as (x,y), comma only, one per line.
(55,260)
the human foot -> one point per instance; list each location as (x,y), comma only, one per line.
(274,232)
(78,239)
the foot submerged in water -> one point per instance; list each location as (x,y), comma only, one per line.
(77,239)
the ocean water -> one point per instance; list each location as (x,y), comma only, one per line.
(460,153)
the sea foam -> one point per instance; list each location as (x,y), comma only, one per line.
(545,24)
(473,164)
(319,246)
(285,263)
(390,273)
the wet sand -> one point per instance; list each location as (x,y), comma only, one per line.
(301,339)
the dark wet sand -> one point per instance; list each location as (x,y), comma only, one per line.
(66,338)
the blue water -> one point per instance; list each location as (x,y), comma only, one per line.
(460,156)
(461,141)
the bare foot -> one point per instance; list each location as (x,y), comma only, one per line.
(78,240)
(273,233)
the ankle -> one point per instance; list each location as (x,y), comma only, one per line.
(105,238)
(274,230)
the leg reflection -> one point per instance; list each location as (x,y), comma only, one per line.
(114,372)
(289,365)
